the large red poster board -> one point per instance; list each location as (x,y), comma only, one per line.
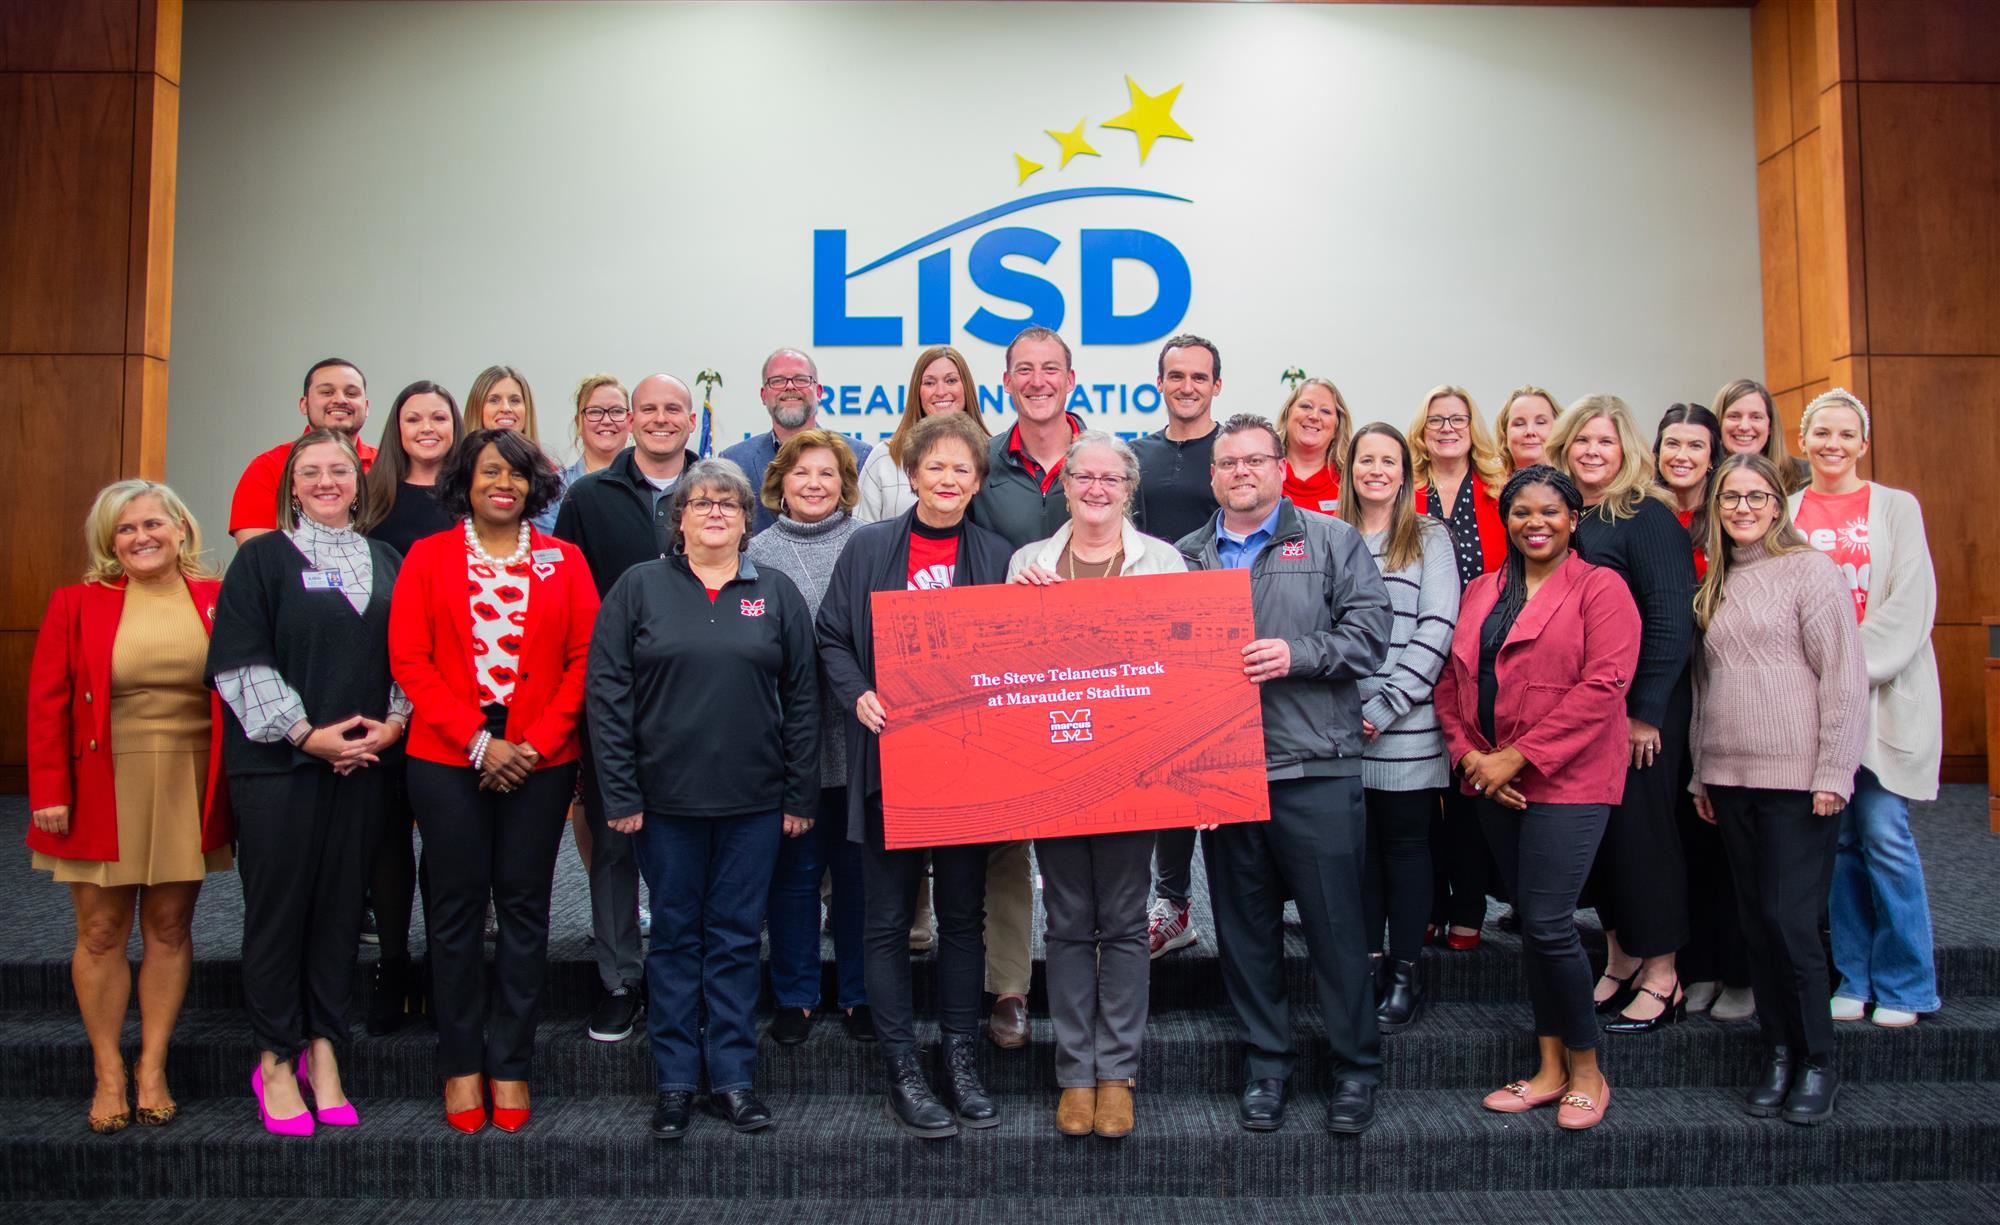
(1079,708)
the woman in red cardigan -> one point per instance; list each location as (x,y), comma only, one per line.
(1531,701)
(489,634)
(125,775)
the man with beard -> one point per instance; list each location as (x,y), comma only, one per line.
(334,396)
(790,391)
(619,516)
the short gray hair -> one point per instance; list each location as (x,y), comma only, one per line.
(713,475)
(764,371)
(1117,446)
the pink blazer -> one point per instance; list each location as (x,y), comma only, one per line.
(1563,675)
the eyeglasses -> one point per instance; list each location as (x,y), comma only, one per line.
(778,382)
(613,415)
(1456,421)
(1756,499)
(1250,463)
(709,506)
(1087,479)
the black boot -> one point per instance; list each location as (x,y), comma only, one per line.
(1768,1097)
(962,1086)
(1813,1092)
(911,1103)
(388,995)
(1402,998)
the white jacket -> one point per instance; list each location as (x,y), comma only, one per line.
(1143,554)
(885,489)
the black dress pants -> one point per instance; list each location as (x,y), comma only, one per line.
(1545,853)
(1639,886)
(302,854)
(958,896)
(1781,857)
(1398,888)
(1462,871)
(1715,951)
(481,844)
(392,872)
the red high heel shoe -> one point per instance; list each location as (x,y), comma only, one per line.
(468,1121)
(508,1118)
(1461,944)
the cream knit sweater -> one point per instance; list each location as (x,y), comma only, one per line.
(1781,686)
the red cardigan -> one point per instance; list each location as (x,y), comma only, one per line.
(69,726)
(1486,512)
(430,649)
(1564,672)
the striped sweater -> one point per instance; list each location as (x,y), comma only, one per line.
(1408,753)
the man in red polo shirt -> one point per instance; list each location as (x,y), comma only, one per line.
(334,396)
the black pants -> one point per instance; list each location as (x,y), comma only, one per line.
(392,872)
(1639,886)
(481,844)
(1544,855)
(1781,857)
(1311,850)
(958,896)
(1462,871)
(302,853)
(1398,885)
(1715,951)
(1173,864)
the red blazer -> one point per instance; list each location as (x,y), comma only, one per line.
(69,723)
(1563,672)
(1486,512)
(430,650)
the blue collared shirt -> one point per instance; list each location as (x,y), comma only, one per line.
(1241,552)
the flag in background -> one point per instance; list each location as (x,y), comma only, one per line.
(709,381)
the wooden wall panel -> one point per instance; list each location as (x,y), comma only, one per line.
(150,263)
(1936,40)
(1961,656)
(1801,64)
(71,35)
(143,437)
(1815,291)
(1950,469)
(17,647)
(1778,241)
(52,406)
(1840,209)
(1771,76)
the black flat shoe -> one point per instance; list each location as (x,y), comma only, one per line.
(860,1023)
(1673,1010)
(1402,998)
(911,1104)
(670,1116)
(1625,994)
(1814,1089)
(1352,1108)
(791,1026)
(741,1109)
(964,1092)
(1768,1097)
(1261,1107)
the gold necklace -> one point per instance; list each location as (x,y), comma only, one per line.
(1110,564)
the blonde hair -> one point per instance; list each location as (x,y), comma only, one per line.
(913,401)
(1343,424)
(773,493)
(288,515)
(1486,458)
(1774,448)
(1634,482)
(475,401)
(584,391)
(100,529)
(1507,406)
(1781,537)
(1839,397)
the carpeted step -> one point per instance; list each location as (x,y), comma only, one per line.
(844,1147)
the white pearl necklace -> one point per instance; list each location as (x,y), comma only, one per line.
(519,555)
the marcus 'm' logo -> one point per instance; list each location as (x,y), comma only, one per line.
(1069,726)
(1292,550)
(1100,322)
(753,608)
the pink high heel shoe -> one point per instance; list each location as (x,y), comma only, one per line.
(343,1115)
(300,1124)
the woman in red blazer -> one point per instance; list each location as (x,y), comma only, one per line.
(1532,701)
(125,775)
(489,634)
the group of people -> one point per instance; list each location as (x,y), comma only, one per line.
(1690,686)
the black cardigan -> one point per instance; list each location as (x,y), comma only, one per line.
(877,558)
(336,659)
(1649,550)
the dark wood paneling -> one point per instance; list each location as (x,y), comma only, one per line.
(65,208)
(17,647)
(1770,75)
(1935,40)
(70,35)
(1961,656)
(160,38)
(58,447)
(1778,247)
(1937,434)
(1931,203)
(150,261)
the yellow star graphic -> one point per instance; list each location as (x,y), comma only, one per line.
(1150,117)
(1072,142)
(1025,168)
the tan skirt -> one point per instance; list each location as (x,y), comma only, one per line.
(159,824)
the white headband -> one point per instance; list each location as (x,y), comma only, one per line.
(1838,397)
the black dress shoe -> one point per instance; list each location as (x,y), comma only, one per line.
(670,1116)
(963,1089)
(1813,1092)
(1673,1010)
(741,1109)
(1402,998)
(911,1103)
(1626,993)
(1768,1097)
(792,1026)
(1262,1105)
(860,1023)
(1352,1108)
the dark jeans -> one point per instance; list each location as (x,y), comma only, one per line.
(1781,856)
(709,879)
(1099,965)
(958,897)
(1544,855)
(794,910)
(1397,889)
(1173,864)
(1463,874)
(302,854)
(480,845)
(1311,850)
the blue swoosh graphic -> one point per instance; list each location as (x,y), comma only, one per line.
(1001,210)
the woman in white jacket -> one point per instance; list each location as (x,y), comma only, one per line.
(941,382)
(1879,908)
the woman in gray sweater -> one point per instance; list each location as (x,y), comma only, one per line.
(1780,720)
(812,485)
(1404,770)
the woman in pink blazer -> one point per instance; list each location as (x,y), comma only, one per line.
(1532,701)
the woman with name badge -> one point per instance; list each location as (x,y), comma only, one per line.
(300,656)
(1314,425)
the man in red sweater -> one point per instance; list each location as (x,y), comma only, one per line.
(334,396)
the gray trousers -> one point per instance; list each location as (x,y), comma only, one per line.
(614,887)
(1095,889)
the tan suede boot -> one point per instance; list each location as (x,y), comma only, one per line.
(1114,1109)
(1076,1113)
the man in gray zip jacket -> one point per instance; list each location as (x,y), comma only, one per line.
(1322,623)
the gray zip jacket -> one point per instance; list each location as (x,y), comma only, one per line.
(1329,603)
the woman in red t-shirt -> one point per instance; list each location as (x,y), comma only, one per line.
(1314,425)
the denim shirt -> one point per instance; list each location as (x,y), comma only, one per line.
(1241,552)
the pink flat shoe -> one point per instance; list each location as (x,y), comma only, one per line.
(1579,1113)
(300,1124)
(1515,1098)
(343,1115)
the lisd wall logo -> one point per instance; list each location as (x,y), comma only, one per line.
(1005,252)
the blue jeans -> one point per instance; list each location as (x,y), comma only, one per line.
(794,914)
(709,878)
(1880,912)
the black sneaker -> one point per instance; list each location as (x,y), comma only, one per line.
(791,1026)
(617,1013)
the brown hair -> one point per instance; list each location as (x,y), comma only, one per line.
(392,463)
(584,391)
(1781,537)
(913,404)
(475,400)
(1405,542)
(773,493)
(925,436)
(288,518)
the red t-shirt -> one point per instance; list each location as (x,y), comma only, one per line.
(1320,491)
(933,560)
(255,503)
(1837,525)
(1700,553)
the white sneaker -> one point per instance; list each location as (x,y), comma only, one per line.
(1892,1018)
(1846,1009)
(1701,996)
(1168,927)
(1734,1004)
